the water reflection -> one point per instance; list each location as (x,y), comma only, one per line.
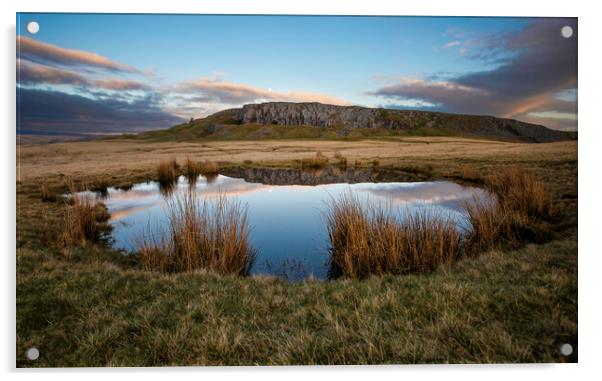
(166,187)
(286,220)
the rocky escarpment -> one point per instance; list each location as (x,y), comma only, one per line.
(323,115)
(310,114)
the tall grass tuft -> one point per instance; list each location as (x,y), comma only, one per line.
(492,225)
(209,168)
(317,162)
(517,210)
(192,170)
(367,239)
(342,160)
(85,221)
(212,235)
(518,190)
(167,171)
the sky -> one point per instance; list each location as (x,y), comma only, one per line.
(108,73)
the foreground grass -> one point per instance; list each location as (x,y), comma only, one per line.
(502,307)
(92,306)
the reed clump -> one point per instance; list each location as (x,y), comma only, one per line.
(368,239)
(492,225)
(317,162)
(167,171)
(209,168)
(211,235)
(85,220)
(192,170)
(342,160)
(518,209)
(519,190)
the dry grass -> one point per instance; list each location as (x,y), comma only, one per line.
(317,162)
(131,156)
(192,170)
(518,190)
(370,240)
(367,239)
(45,193)
(469,173)
(518,210)
(167,171)
(85,221)
(209,168)
(492,226)
(201,235)
(342,160)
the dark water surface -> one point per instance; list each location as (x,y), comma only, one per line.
(287,221)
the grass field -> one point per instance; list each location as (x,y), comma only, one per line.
(89,305)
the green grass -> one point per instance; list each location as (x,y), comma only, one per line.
(502,307)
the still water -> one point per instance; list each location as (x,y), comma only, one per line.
(287,221)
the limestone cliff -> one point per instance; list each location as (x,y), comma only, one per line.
(323,115)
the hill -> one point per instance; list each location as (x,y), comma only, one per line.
(282,120)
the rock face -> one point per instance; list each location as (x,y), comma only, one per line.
(310,114)
(323,115)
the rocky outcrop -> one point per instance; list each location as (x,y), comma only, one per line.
(310,114)
(323,115)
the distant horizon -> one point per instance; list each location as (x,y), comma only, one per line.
(134,73)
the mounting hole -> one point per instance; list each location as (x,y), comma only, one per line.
(33,27)
(32,353)
(566,31)
(566,349)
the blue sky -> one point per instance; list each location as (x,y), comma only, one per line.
(173,67)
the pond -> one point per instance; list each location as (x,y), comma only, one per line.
(285,210)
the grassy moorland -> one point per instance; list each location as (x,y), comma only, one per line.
(87,305)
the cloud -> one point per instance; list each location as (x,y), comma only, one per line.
(451,44)
(121,84)
(536,64)
(59,112)
(237,94)
(36,74)
(40,52)
(33,74)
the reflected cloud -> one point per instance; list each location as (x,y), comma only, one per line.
(441,192)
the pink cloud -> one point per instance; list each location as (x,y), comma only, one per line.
(237,93)
(37,51)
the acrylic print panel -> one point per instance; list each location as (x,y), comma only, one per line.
(295,190)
